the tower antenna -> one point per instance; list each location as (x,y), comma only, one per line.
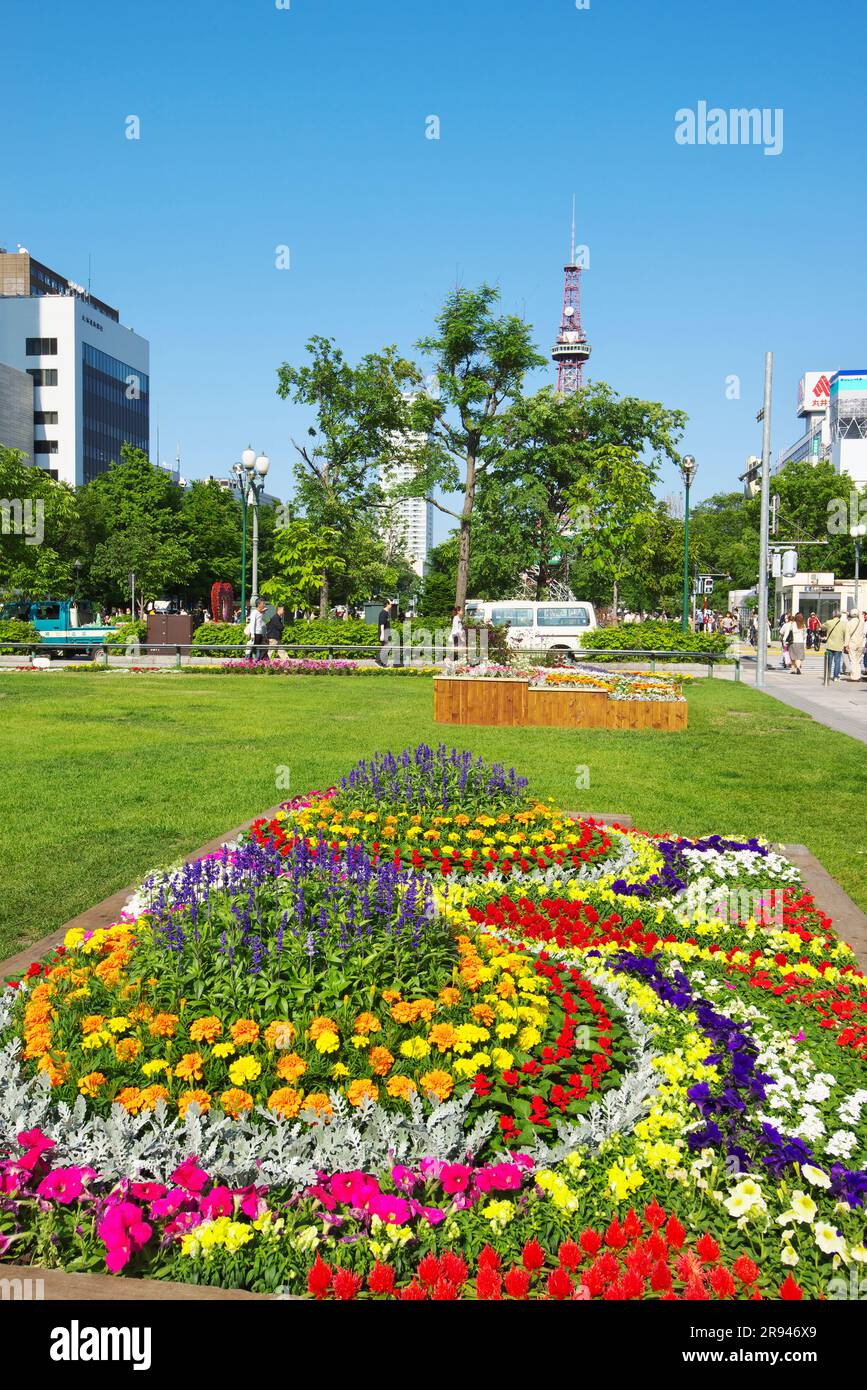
(571,350)
(572,256)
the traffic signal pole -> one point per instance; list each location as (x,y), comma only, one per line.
(762,652)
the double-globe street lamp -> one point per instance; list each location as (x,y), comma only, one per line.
(688,469)
(858,532)
(250,473)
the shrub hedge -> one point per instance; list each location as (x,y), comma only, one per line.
(648,637)
(16,630)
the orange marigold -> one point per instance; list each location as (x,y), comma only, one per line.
(425,1009)
(450,996)
(190,1067)
(89,1085)
(127,1049)
(234,1101)
(381,1060)
(163,1026)
(438,1081)
(359,1091)
(442,1036)
(400,1087)
(130,1099)
(245,1031)
(206,1029)
(319,1102)
(403,1012)
(151,1094)
(367,1023)
(390,995)
(483,1013)
(92,1023)
(322,1025)
(286,1101)
(201,1098)
(279,1034)
(290,1067)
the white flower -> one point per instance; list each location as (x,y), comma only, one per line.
(788,1255)
(744,1198)
(828,1239)
(859,1253)
(815,1176)
(816,1091)
(841,1144)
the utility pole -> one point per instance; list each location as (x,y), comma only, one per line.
(765,417)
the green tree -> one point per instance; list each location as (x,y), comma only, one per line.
(210,525)
(361,415)
(39,529)
(302,554)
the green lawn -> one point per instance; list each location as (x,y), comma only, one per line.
(107,776)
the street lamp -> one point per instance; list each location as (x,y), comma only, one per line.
(688,470)
(250,473)
(858,532)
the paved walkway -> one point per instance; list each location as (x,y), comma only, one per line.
(841,706)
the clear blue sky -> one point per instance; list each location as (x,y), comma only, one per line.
(306,127)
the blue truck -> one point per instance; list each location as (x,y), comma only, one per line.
(66,626)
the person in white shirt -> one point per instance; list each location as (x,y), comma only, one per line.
(256,631)
(854,647)
(458,635)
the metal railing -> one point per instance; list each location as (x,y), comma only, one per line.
(227,650)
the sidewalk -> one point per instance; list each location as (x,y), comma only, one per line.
(842,706)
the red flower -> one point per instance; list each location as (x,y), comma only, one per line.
(318,1278)
(532,1255)
(654,1215)
(590,1242)
(346,1284)
(707,1249)
(570,1254)
(745,1270)
(412,1293)
(791,1290)
(429,1269)
(453,1267)
(660,1279)
(381,1279)
(444,1291)
(560,1284)
(481,1084)
(722,1283)
(675,1234)
(488,1282)
(517,1282)
(615,1236)
(488,1258)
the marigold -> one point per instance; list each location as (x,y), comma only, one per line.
(450,996)
(130,1099)
(151,1094)
(234,1101)
(291,1067)
(163,1026)
(206,1029)
(92,1023)
(483,1012)
(244,1069)
(57,1072)
(245,1031)
(390,995)
(127,1049)
(223,1049)
(359,1091)
(327,1041)
(443,1036)
(322,1025)
(190,1067)
(403,1012)
(439,1082)
(367,1023)
(201,1098)
(280,1034)
(381,1060)
(286,1101)
(89,1085)
(400,1087)
(318,1101)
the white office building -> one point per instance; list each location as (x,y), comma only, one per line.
(409,520)
(833,408)
(89,374)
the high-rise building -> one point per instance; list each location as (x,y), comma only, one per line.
(408,528)
(833,406)
(89,374)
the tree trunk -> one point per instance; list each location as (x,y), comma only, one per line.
(615,602)
(464,536)
(324,602)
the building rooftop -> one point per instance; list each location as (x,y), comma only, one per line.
(21,275)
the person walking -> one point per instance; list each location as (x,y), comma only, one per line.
(384,630)
(855,633)
(255,631)
(786,630)
(835,641)
(458,634)
(814,628)
(274,632)
(798,643)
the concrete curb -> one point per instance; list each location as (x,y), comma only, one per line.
(55,1285)
(850,923)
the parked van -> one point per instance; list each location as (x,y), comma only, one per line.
(66,626)
(550,626)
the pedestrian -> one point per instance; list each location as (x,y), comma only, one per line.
(798,644)
(855,644)
(835,641)
(274,632)
(458,634)
(255,631)
(814,628)
(786,630)
(384,630)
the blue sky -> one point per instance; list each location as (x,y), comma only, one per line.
(305,127)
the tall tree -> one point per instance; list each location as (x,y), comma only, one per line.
(480,359)
(360,414)
(39,529)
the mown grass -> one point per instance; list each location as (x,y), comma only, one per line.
(106,776)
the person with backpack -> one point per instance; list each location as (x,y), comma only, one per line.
(835,641)
(798,642)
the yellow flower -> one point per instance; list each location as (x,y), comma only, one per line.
(327,1041)
(157,1065)
(244,1069)
(223,1049)
(360,1041)
(414,1047)
(118,1025)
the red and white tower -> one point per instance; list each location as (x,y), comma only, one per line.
(571,349)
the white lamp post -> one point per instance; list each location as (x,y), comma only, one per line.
(250,473)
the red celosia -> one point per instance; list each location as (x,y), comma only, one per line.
(559,1284)
(745,1270)
(381,1279)
(517,1282)
(533,1256)
(346,1284)
(319,1278)
(790,1289)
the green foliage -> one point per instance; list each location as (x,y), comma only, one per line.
(135,631)
(222,634)
(15,630)
(48,509)
(662,637)
(303,553)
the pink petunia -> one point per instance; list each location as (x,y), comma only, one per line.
(189,1175)
(64,1185)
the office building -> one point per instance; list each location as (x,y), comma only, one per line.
(16,409)
(833,407)
(408,527)
(90,386)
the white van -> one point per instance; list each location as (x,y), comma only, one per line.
(551,626)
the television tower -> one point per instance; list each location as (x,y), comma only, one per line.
(571,350)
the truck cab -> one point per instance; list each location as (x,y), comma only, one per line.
(65,626)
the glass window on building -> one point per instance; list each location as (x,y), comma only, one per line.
(116,409)
(43,376)
(41,347)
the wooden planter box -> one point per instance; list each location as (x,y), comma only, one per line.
(514,703)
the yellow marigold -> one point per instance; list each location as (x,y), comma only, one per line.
(157,1065)
(319,1102)
(234,1101)
(118,1025)
(201,1098)
(286,1101)
(415,1047)
(327,1041)
(339,1070)
(89,1085)
(244,1069)
(245,1031)
(223,1049)
(92,1023)
(450,996)
(291,1067)
(322,1025)
(130,1099)
(206,1029)
(380,1059)
(443,1036)
(163,1026)
(367,1023)
(359,1091)
(440,1082)
(400,1087)
(190,1067)
(280,1034)
(151,1094)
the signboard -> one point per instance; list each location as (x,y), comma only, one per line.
(814,393)
(704,584)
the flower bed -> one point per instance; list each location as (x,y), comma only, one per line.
(422,1035)
(274,666)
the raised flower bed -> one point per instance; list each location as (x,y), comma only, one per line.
(559,699)
(425,1036)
